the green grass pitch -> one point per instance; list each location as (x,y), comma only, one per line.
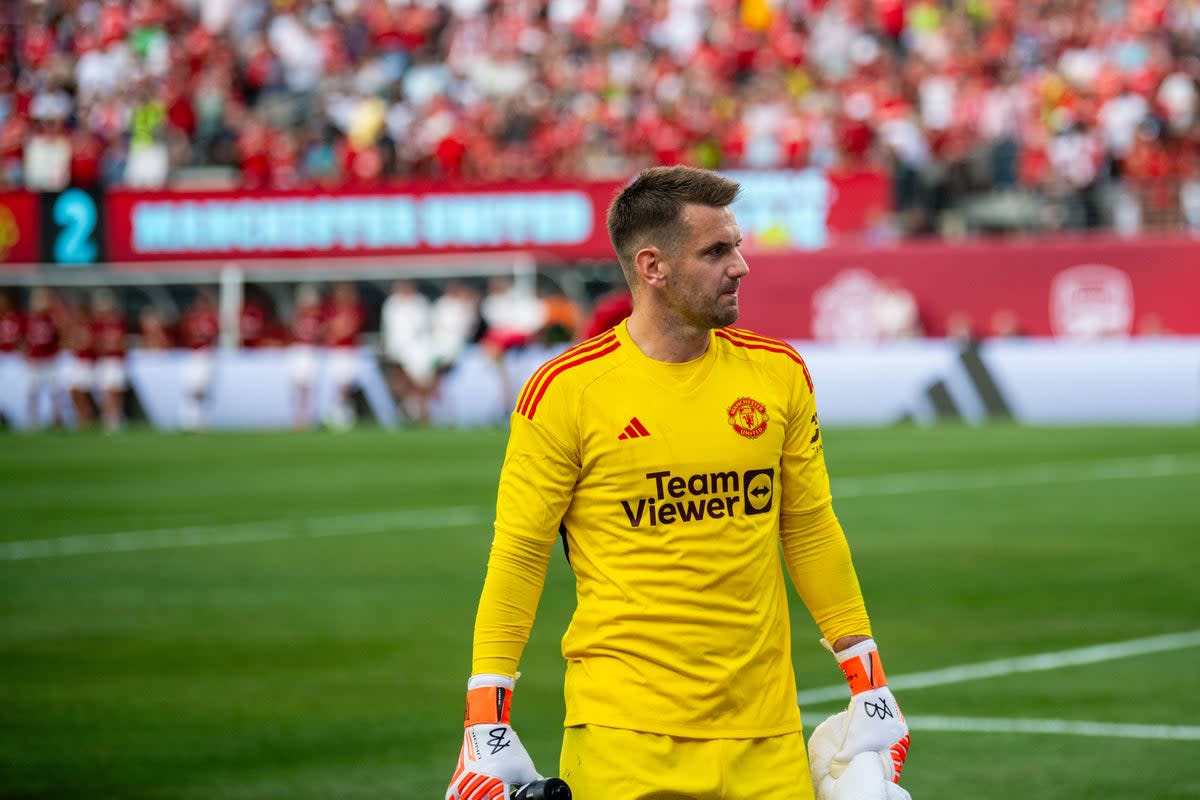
(289,615)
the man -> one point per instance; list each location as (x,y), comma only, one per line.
(406,327)
(675,454)
(108,324)
(79,362)
(306,334)
(344,320)
(43,335)
(199,329)
(12,333)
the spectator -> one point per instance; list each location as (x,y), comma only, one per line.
(42,343)
(609,309)
(512,315)
(561,318)
(960,327)
(254,321)
(79,362)
(953,98)
(109,333)
(409,356)
(199,328)
(12,331)
(344,319)
(306,336)
(454,321)
(896,312)
(47,166)
(1005,324)
(154,331)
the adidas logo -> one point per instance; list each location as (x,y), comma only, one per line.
(634,430)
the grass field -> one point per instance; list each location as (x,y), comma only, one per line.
(289,616)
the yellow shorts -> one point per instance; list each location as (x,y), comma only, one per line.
(613,764)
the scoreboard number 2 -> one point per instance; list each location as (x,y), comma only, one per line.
(75,217)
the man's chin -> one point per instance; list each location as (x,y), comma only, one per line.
(726,317)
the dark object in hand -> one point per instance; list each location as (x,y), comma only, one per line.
(549,789)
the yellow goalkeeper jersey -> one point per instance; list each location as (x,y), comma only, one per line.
(672,485)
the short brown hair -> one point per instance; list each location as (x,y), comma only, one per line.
(651,207)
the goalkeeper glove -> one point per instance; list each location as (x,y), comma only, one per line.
(863,778)
(874,723)
(492,757)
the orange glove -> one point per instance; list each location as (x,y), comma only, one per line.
(492,757)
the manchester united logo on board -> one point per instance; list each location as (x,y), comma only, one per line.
(748,417)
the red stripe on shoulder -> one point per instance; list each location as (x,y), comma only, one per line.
(755,342)
(531,385)
(566,365)
(750,336)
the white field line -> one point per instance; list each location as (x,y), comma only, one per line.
(1041,662)
(873,486)
(1056,726)
(1160,466)
(234,533)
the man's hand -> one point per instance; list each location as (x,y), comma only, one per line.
(873,723)
(492,757)
(863,779)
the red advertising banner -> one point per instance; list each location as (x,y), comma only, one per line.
(1057,287)
(562,219)
(20,234)
(777,210)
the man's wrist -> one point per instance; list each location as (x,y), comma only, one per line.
(488,705)
(858,658)
(846,642)
(505,681)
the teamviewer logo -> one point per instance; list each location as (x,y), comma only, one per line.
(758,489)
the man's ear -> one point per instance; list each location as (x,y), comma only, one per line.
(650,266)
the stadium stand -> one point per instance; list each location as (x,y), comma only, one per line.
(969,119)
(992,114)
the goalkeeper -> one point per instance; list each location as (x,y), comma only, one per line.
(674,454)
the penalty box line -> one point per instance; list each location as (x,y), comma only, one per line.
(1041,662)
(1061,727)
(1165,465)
(1094,654)
(244,532)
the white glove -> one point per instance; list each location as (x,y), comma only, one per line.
(873,723)
(864,777)
(492,757)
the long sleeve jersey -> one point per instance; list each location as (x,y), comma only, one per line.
(681,491)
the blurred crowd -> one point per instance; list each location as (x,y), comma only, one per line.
(1089,107)
(74,343)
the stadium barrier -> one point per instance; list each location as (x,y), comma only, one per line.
(249,389)
(1086,286)
(179,230)
(1035,381)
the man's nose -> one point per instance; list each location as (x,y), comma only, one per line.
(739,268)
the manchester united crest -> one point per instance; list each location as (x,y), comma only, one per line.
(748,417)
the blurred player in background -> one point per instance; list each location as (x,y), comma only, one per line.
(407,329)
(43,338)
(12,329)
(254,321)
(344,322)
(199,328)
(306,337)
(79,362)
(154,333)
(454,319)
(608,310)
(110,332)
(675,454)
(512,315)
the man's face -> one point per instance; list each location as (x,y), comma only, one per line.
(703,275)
